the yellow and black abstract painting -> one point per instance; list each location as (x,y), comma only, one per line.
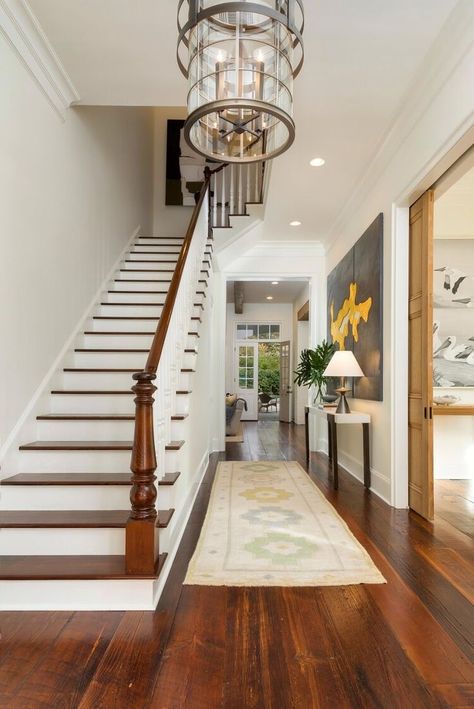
(355,309)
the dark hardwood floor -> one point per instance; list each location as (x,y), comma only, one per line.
(454,502)
(406,644)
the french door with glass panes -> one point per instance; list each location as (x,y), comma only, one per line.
(246,377)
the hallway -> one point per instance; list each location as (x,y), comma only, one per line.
(404,644)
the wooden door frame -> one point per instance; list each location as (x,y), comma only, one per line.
(438,167)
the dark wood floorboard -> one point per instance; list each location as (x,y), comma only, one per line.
(454,502)
(405,644)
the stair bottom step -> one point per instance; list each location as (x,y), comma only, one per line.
(48,568)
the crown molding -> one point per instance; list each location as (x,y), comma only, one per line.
(453,43)
(22,30)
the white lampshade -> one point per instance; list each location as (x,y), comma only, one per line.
(343,364)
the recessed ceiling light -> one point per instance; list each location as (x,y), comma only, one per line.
(295,223)
(275,283)
(317,162)
(269,297)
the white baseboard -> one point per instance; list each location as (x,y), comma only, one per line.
(380,484)
(25,425)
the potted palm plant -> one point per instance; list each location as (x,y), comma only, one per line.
(310,370)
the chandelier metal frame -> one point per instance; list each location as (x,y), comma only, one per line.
(266,126)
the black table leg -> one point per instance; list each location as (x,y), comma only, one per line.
(329,441)
(366,439)
(335,468)
(306,432)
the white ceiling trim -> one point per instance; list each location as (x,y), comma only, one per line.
(451,46)
(24,33)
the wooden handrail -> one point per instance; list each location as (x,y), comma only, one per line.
(165,317)
(141,544)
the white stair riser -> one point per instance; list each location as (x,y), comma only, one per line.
(92,403)
(54,430)
(164,248)
(159,269)
(179,430)
(145,286)
(157,241)
(122,324)
(169,258)
(61,541)
(106,595)
(112,360)
(143,311)
(186,381)
(97,380)
(152,279)
(61,461)
(116,341)
(76,497)
(189,361)
(182,404)
(136,297)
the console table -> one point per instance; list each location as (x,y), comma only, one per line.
(333,419)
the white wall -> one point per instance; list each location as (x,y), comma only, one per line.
(167,220)
(434,120)
(72,193)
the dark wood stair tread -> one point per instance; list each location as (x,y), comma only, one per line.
(87,479)
(134,305)
(51,568)
(102,370)
(90,446)
(150,260)
(78,446)
(154,292)
(140,280)
(86,417)
(88,392)
(73,519)
(107,351)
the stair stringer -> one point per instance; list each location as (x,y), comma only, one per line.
(244,233)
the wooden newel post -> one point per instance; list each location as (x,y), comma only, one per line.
(141,543)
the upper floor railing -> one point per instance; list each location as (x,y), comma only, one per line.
(232,188)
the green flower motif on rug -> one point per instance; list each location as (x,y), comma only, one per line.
(266,494)
(272,516)
(259,467)
(281,548)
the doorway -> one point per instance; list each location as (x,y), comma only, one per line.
(263,340)
(441,351)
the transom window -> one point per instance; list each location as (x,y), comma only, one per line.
(265,332)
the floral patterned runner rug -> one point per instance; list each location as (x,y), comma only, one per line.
(269,525)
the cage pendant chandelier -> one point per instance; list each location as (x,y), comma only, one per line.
(240,59)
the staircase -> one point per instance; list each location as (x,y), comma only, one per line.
(68,537)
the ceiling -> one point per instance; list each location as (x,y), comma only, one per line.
(361,58)
(454,210)
(257,291)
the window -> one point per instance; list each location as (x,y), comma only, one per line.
(264,332)
(246,367)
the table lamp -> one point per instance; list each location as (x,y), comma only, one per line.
(343,364)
